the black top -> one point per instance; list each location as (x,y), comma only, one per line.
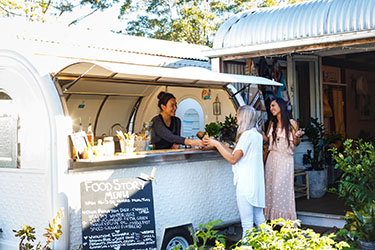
(162,136)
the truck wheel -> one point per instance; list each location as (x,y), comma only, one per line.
(178,237)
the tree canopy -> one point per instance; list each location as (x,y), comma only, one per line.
(40,10)
(191,21)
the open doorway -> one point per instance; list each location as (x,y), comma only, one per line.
(306,85)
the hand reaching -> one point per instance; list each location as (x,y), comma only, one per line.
(299,133)
(209,142)
(198,142)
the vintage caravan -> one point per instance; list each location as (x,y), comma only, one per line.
(54,81)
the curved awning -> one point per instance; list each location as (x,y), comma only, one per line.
(127,73)
(296,27)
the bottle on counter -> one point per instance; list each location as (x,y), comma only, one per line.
(90,134)
(147,127)
(80,125)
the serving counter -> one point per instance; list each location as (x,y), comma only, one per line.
(190,187)
(143,158)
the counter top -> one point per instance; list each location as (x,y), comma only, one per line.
(155,157)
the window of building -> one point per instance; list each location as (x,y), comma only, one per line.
(9,153)
(192,119)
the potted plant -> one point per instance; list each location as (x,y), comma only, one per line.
(357,187)
(213,129)
(229,129)
(318,158)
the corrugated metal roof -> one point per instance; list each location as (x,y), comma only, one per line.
(297,21)
(151,51)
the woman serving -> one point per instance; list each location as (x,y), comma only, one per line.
(167,127)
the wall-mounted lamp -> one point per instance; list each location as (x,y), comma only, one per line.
(217,107)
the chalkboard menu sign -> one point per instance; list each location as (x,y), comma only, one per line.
(118,214)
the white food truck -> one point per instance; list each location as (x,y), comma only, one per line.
(52,79)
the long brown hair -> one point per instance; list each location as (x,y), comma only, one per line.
(285,120)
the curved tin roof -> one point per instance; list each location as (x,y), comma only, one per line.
(312,19)
(112,46)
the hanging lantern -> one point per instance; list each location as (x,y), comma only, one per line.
(217,106)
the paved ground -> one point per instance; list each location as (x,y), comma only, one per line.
(328,204)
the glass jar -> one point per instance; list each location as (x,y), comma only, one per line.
(108,146)
(147,127)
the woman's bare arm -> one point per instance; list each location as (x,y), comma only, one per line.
(224,151)
(296,132)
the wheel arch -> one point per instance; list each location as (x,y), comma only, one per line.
(169,230)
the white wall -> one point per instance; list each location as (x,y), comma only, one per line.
(29,194)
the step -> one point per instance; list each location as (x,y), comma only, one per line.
(320,219)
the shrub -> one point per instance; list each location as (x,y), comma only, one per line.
(27,235)
(229,128)
(357,187)
(213,129)
(321,143)
(289,236)
(204,233)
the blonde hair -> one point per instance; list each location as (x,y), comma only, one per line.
(247,119)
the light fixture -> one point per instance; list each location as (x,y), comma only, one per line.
(217,107)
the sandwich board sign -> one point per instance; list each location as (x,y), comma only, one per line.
(118,214)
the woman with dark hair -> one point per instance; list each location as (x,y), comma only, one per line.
(167,127)
(283,135)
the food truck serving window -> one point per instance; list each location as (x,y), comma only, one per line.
(191,114)
(8,132)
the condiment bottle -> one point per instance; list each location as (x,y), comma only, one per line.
(80,125)
(90,135)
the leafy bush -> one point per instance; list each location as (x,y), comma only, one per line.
(289,236)
(357,187)
(213,129)
(229,128)
(204,233)
(321,142)
(357,162)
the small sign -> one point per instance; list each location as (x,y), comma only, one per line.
(206,94)
(80,142)
(331,74)
(118,214)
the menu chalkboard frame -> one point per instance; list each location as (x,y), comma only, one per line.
(118,214)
